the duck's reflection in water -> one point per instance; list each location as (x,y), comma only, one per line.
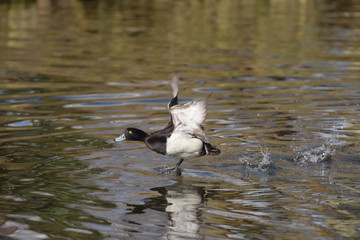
(183,204)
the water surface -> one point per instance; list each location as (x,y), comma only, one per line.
(284,110)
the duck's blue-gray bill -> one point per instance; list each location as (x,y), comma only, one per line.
(120,138)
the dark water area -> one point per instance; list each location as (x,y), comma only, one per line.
(285,112)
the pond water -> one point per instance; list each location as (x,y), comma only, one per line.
(285,112)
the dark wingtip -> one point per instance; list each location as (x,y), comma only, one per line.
(207,98)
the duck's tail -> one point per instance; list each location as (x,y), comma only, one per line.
(211,150)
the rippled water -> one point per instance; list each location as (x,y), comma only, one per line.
(285,112)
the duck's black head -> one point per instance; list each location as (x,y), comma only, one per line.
(132,134)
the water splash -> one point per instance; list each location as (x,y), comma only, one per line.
(265,162)
(259,160)
(315,153)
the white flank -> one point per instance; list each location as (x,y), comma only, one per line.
(183,145)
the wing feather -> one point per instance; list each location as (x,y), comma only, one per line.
(189,117)
(174,83)
(191,113)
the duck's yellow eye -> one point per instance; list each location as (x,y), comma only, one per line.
(130,132)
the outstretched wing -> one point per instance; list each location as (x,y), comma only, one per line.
(191,113)
(190,116)
(174,83)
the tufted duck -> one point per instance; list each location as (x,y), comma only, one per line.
(184,136)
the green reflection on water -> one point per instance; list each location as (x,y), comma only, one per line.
(44,186)
(114,40)
(39,180)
